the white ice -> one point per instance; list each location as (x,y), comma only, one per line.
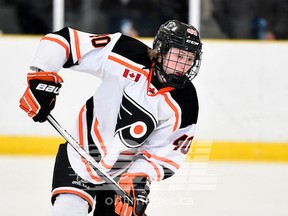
(198,189)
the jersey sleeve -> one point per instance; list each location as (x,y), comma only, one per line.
(160,158)
(70,48)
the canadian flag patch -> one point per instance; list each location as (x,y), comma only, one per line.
(132,75)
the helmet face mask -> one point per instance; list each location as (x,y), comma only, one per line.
(174,34)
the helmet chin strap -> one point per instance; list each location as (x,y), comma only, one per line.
(161,78)
(158,73)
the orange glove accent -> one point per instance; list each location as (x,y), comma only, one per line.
(29,103)
(137,187)
(39,97)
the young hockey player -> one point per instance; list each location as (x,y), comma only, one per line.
(138,125)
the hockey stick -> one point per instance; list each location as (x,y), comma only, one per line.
(94,165)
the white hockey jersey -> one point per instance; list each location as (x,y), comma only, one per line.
(131,123)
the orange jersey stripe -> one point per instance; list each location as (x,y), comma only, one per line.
(126,64)
(156,170)
(81,142)
(174,109)
(147,154)
(97,133)
(80,127)
(166,160)
(67,191)
(59,42)
(77,44)
(89,170)
(103,147)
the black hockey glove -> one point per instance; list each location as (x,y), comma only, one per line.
(40,96)
(137,187)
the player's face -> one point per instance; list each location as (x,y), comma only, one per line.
(178,61)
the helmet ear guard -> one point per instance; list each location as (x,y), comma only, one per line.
(184,37)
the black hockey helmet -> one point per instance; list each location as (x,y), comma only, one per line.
(176,34)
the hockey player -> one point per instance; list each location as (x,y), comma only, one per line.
(138,125)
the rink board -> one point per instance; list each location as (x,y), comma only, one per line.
(199,151)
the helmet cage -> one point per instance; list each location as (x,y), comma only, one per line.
(178,81)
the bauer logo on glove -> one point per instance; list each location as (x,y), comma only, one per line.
(48,88)
(40,96)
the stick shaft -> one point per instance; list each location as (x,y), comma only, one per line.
(76,146)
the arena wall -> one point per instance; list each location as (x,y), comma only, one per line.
(242,88)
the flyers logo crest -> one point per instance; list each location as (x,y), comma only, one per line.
(134,123)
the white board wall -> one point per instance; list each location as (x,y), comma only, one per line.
(242,88)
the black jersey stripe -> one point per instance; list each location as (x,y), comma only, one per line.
(93,150)
(133,49)
(188,101)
